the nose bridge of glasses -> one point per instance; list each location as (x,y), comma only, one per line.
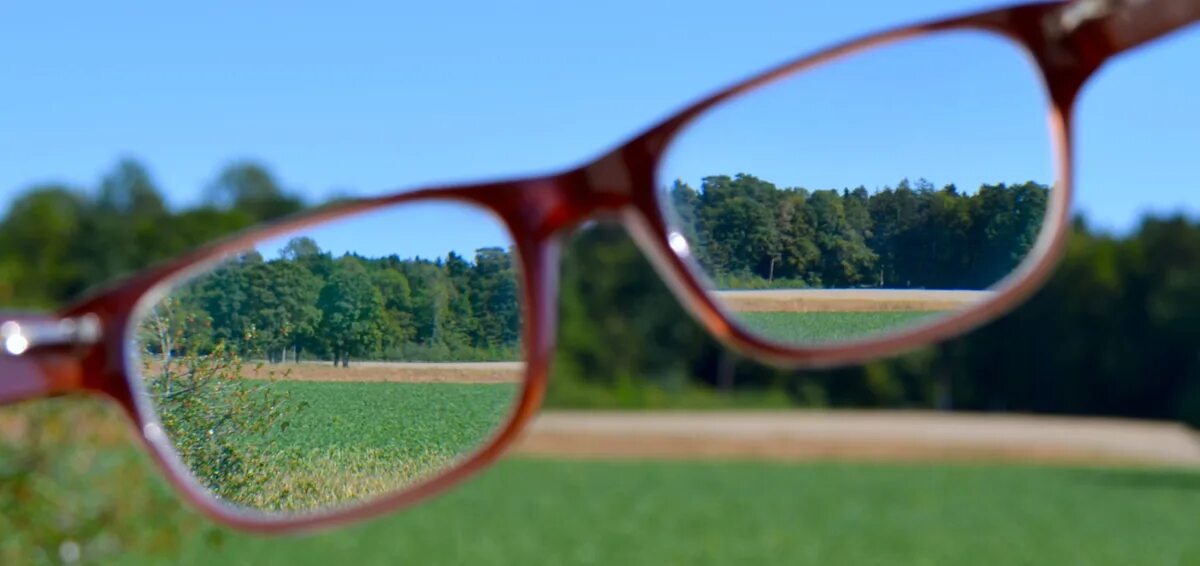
(610,184)
(550,205)
(43,355)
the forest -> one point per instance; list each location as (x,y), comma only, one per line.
(748,233)
(1114,332)
(388,308)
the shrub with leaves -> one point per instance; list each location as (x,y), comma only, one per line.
(217,410)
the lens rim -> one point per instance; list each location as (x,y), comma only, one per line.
(152,422)
(641,159)
(821,353)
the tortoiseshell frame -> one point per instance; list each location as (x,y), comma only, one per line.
(1067,41)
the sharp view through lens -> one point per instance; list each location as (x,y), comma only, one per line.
(801,266)
(310,379)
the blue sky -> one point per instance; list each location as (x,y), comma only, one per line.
(368,98)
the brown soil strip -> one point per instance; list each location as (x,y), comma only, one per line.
(848,300)
(859,436)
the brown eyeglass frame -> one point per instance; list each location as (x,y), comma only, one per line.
(83,347)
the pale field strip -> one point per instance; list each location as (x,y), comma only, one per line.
(802,435)
(860,436)
(849,300)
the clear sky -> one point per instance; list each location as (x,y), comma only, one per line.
(371,97)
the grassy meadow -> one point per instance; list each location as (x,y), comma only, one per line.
(404,419)
(602,512)
(99,495)
(345,441)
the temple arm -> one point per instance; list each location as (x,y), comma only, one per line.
(40,355)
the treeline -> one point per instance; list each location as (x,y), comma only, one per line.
(1114,332)
(389,308)
(747,232)
(56,241)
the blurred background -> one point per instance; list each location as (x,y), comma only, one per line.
(96,188)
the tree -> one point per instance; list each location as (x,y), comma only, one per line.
(351,307)
(41,234)
(252,188)
(845,257)
(216,418)
(799,255)
(398,319)
(124,226)
(495,299)
(284,296)
(130,192)
(228,298)
(300,248)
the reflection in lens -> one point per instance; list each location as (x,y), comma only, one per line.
(869,195)
(340,363)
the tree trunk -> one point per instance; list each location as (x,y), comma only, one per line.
(335,358)
(346,360)
(725,370)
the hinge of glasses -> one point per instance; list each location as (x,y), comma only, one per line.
(1074,14)
(1124,24)
(20,335)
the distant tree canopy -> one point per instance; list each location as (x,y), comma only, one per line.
(745,230)
(57,241)
(352,307)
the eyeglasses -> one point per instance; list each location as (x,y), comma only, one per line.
(363,356)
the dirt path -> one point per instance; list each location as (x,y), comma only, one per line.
(849,300)
(399,372)
(859,435)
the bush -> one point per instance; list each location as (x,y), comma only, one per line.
(216,416)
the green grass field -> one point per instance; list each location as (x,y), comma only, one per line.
(405,419)
(553,512)
(345,441)
(797,327)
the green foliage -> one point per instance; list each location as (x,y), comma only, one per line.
(351,312)
(256,442)
(68,468)
(1110,334)
(353,440)
(356,307)
(251,187)
(745,281)
(218,421)
(405,420)
(744,228)
(623,321)
(38,237)
(540,511)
